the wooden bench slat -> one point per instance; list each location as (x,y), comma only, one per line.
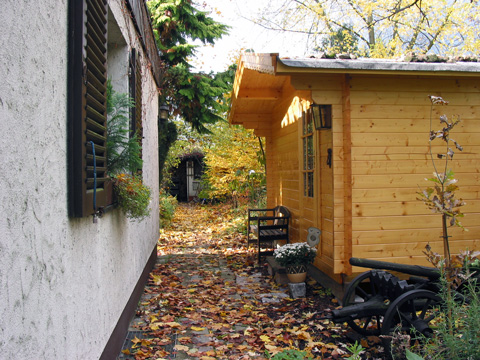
(270,226)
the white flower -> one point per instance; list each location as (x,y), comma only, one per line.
(294,254)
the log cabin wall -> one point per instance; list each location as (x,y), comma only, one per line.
(284,163)
(390,124)
(284,159)
(365,201)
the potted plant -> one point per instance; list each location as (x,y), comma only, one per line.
(123,149)
(124,157)
(133,196)
(295,258)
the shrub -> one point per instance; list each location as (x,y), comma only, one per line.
(123,150)
(133,196)
(462,341)
(167,206)
(456,336)
(290,354)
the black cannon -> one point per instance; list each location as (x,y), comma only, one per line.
(378,302)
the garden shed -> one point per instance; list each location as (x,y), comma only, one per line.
(186,177)
(356,175)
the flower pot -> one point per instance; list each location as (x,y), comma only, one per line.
(297,274)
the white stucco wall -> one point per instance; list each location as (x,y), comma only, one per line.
(63,282)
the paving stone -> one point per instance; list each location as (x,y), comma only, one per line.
(272,297)
(201,339)
(297,290)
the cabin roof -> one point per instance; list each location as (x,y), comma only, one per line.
(378,65)
(275,65)
(260,79)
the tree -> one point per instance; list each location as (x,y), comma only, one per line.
(234,164)
(384,28)
(197,98)
(343,40)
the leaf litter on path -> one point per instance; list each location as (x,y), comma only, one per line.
(207,298)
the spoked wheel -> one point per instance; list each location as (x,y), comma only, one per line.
(413,311)
(359,291)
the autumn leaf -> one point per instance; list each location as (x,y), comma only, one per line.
(265,338)
(157,280)
(181,348)
(197,328)
(156,326)
(173,324)
(136,340)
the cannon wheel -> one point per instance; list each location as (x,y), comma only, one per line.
(359,291)
(415,309)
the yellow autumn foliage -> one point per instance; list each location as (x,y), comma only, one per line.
(233,163)
(382,28)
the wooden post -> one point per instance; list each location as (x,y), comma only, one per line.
(347,176)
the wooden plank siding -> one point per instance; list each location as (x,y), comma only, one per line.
(329,91)
(390,160)
(283,159)
(372,186)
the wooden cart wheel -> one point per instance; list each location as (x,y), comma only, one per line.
(414,310)
(361,289)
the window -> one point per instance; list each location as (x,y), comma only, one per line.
(308,154)
(87,108)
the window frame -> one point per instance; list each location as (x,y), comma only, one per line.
(135,90)
(308,157)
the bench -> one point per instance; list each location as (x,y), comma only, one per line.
(266,226)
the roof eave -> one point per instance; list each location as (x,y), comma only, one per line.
(372,66)
(265,63)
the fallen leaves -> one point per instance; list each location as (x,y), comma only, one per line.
(204,299)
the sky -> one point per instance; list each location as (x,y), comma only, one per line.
(244,34)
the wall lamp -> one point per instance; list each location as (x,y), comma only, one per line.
(163,112)
(322,116)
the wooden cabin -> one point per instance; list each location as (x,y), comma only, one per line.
(357,178)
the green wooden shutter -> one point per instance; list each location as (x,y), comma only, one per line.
(87,106)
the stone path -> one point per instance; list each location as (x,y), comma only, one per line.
(208,299)
(221,302)
(191,270)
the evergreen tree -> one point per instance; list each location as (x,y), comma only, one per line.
(198,98)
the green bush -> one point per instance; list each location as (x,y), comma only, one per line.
(290,354)
(133,196)
(461,340)
(167,206)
